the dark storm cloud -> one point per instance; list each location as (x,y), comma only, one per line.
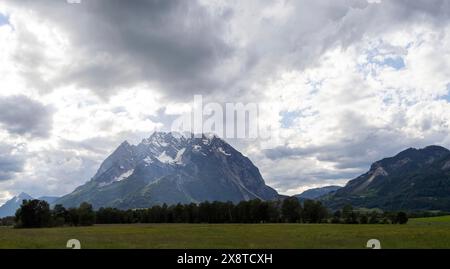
(183,47)
(171,44)
(23,116)
(9,163)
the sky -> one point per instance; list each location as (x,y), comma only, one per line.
(358,81)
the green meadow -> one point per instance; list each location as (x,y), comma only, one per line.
(418,233)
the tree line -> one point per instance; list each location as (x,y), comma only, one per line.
(36,213)
(289,210)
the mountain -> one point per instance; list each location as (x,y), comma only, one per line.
(9,208)
(49,199)
(317,192)
(414,179)
(171,168)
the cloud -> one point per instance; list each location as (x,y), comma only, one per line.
(358,81)
(180,48)
(172,45)
(23,116)
(11,162)
(350,110)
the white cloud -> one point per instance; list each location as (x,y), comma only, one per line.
(353,110)
(356,80)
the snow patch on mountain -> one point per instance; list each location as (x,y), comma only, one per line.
(164,158)
(171,168)
(148,160)
(125,175)
(221,150)
(104,184)
(446,166)
(179,156)
(197,148)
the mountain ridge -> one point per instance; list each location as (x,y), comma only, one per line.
(172,168)
(9,207)
(414,179)
(168,168)
(316,193)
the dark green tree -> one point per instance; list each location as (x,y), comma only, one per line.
(33,214)
(313,212)
(86,215)
(363,219)
(337,215)
(402,218)
(59,215)
(349,215)
(374,217)
(291,210)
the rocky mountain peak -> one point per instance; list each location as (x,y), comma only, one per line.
(22,196)
(172,168)
(411,157)
(412,179)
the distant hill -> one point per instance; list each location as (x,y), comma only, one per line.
(171,168)
(49,199)
(414,179)
(9,208)
(317,192)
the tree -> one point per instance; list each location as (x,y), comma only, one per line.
(313,211)
(7,221)
(291,210)
(256,211)
(242,212)
(350,216)
(263,212)
(179,213)
(274,211)
(86,214)
(165,217)
(33,214)
(364,219)
(72,217)
(59,215)
(391,217)
(192,213)
(374,217)
(402,218)
(110,215)
(204,212)
(336,217)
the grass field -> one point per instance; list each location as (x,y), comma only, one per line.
(418,233)
(443,220)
